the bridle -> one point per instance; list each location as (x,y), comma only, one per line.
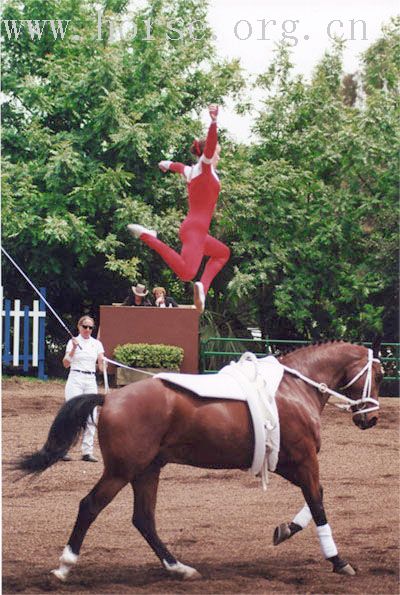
(349,403)
(366,395)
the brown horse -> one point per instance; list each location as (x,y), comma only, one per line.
(146,425)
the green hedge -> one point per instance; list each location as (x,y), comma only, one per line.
(144,355)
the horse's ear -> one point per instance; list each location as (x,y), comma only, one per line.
(376,345)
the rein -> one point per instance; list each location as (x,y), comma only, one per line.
(111,361)
(366,395)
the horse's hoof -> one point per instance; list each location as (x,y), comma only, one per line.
(191,575)
(281,533)
(60,574)
(347,569)
(179,570)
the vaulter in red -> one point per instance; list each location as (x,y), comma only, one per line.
(203,190)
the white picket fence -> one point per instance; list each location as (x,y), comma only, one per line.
(23,334)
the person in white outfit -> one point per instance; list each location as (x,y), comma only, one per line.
(81,355)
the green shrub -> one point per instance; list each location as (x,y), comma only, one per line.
(144,355)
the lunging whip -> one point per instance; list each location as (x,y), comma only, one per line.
(39,294)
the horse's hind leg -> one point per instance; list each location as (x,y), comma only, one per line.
(145,488)
(89,507)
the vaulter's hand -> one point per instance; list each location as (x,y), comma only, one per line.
(213,111)
(163,166)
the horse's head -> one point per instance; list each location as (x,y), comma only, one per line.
(365,376)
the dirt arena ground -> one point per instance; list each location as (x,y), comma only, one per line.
(219,522)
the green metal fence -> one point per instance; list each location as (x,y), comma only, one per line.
(216,352)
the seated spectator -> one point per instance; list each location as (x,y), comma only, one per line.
(161,299)
(137,296)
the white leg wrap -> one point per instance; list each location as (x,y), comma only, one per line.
(67,560)
(303,517)
(182,571)
(328,546)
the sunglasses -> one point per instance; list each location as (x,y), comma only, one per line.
(87,326)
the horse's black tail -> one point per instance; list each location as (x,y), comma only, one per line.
(63,434)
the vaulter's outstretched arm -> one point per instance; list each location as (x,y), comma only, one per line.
(212,136)
(174,166)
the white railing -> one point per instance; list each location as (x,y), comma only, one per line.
(23,333)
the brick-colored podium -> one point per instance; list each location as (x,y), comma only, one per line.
(171,326)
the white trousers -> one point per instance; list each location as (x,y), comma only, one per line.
(83,384)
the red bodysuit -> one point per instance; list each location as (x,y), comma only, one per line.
(203,190)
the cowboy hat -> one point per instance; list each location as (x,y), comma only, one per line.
(140,290)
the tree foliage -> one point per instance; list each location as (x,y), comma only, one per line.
(87,119)
(317,249)
(309,208)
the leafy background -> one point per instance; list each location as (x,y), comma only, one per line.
(309,207)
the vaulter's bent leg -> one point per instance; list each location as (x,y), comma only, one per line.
(219,255)
(187,263)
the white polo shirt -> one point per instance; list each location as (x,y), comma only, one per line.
(85,359)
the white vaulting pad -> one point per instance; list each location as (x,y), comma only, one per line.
(254,381)
(225,386)
(213,386)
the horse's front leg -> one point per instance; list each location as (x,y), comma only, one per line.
(307,478)
(286,530)
(145,488)
(313,495)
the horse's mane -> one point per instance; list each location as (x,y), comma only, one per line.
(311,347)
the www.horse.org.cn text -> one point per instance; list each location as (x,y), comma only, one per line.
(110,30)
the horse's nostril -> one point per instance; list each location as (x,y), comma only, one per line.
(373,422)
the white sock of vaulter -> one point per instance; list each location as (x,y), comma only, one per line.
(199,296)
(137,230)
(328,546)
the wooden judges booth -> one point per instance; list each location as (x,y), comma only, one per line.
(170,326)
